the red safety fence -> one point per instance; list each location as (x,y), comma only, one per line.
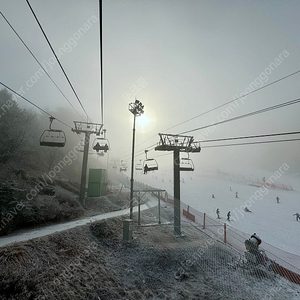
(285,264)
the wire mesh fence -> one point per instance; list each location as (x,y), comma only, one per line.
(201,259)
(284,263)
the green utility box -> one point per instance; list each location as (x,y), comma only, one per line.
(98,181)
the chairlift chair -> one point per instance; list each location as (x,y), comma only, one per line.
(101,143)
(139,166)
(53,137)
(150,164)
(186,164)
(123,166)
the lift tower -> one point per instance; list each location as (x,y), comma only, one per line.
(177,143)
(88,129)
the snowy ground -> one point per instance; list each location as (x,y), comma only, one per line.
(273,222)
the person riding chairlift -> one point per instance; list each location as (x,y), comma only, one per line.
(146,169)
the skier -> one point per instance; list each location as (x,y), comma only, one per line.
(277,198)
(213,196)
(218,213)
(228,216)
(236,195)
(297,216)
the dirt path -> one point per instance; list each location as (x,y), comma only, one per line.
(26,235)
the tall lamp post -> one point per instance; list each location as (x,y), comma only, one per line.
(137,109)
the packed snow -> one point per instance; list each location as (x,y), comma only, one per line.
(274,222)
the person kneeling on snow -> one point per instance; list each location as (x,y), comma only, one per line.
(247,209)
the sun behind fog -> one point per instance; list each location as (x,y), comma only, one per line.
(146,122)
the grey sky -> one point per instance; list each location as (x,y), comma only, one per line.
(180,58)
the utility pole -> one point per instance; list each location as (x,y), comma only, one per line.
(177,143)
(137,109)
(87,129)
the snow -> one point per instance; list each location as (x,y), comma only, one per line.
(273,222)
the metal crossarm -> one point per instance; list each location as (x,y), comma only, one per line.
(178,143)
(85,127)
(171,142)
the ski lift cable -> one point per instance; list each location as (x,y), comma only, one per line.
(228,102)
(251,136)
(252,143)
(66,76)
(234,138)
(101,62)
(140,152)
(34,104)
(32,54)
(277,106)
(224,104)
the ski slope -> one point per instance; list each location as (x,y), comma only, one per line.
(273,222)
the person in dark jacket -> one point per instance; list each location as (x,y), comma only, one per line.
(218,213)
(228,216)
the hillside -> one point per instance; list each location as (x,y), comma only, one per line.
(92,262)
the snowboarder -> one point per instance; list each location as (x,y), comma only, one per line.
(228,216)
(236,195)
(247,209)
(218,213)
(297,216)
(213,196)
(277,198)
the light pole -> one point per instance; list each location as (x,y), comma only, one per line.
(137,109)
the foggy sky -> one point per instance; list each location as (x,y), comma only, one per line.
(180,58)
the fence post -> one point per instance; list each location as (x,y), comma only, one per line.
(225,233)
(158,196)
(204,214)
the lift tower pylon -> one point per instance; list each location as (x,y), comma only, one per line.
(177,143)
(87,129)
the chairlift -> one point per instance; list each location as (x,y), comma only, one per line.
(123,166)
(101,143)
(113,164)
(139,166)
(150,164)
(186,164)
(53,137)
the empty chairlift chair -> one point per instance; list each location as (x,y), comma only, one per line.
(150,164)
(53,137)
(139,166)
(123,166)
(186,164)
(101,143)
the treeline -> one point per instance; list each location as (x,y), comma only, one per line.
(20,131)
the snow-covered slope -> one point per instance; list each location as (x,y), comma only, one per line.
(273,222)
